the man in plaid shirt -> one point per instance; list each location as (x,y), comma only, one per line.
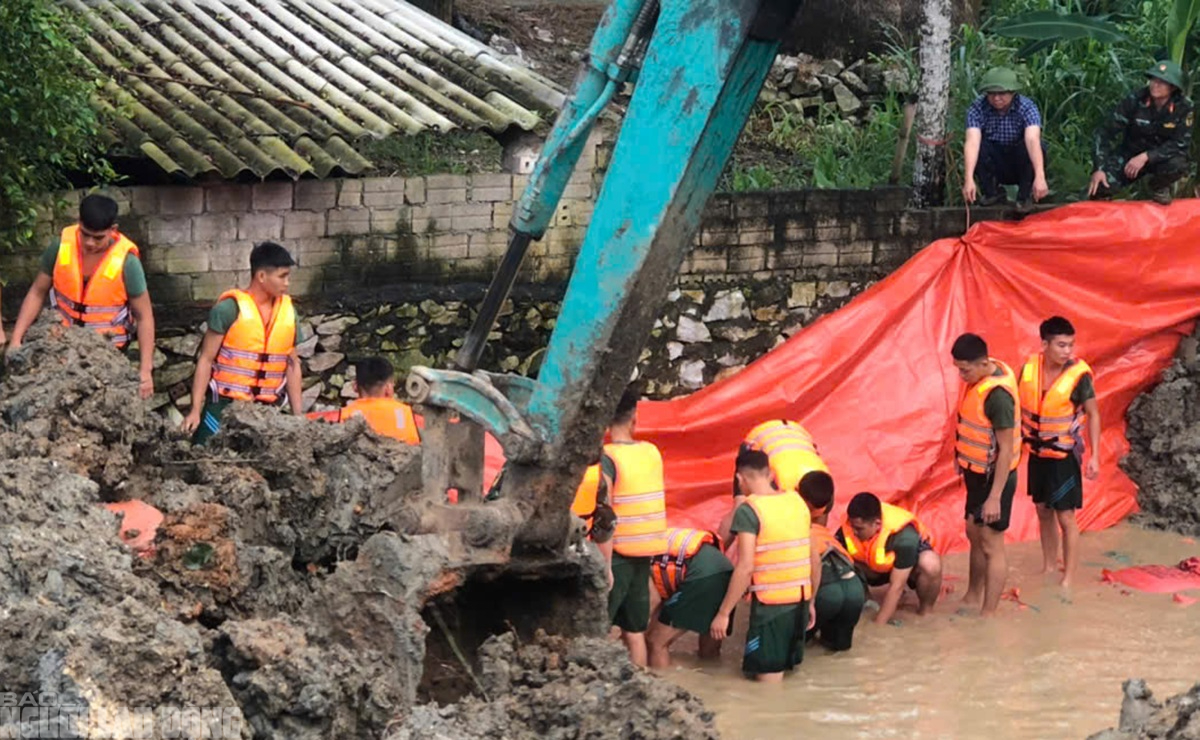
(1004,143)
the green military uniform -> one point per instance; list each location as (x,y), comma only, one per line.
(1057,483)
(1137,126)
(775,637)
(1000,408)
(629,597)
(695,604)
(840,601)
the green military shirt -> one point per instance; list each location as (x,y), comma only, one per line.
(134,275)
(1136,126)
(225,313)
(708,561)
(1000,407)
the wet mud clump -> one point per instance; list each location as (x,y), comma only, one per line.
(1164,439)
(1143,717)
(298,583)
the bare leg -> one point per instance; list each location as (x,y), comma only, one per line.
(929,581)
(1070,539)
(997,568)
(710,649)
(1049,529)
(658,642)
(769,677)
(977,573)
(635,643)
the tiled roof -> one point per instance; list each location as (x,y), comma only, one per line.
(251,88)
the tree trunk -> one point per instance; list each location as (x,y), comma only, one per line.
(933,94)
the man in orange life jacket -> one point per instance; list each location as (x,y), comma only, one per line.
(592,506)
(839,601)
(779,567)
(1056,392)
(891,548)
(249,349)
(95,279)
(986,448)
(691,578)
(375,384)
(633,474)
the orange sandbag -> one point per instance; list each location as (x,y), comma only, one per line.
(875,383)
(139,523)
(1158,579)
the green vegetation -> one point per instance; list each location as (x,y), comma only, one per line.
(1076,78)
(432,152)
(49,128)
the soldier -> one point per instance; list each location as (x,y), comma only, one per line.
(1148,134)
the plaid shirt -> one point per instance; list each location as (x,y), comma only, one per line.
(1003,128)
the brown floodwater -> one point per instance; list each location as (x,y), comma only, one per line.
(1051,670)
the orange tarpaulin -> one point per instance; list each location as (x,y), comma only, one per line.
(875,384)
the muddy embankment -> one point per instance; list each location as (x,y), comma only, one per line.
(299,585)
(1164,439)
(1143,717)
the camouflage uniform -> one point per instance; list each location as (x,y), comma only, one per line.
(1136,126)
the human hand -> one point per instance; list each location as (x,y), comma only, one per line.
(719,629)
(1099,179)
(968,190)
(991,509)
(1135,165)
(192,420)
(1093,468)
(608,573)
(812,614)
(1040,188)
(146,384)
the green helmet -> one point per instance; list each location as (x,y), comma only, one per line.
(1167,71)
(999,79)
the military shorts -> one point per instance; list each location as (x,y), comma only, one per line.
(629,599)
(775,637)
(694,606)
(1056,483)
(979,487)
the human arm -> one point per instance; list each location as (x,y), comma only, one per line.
(1004,457)
(209,347)
(34,300)
(143,314)
(295,391)
(1033,145)
(891,599)
(815,564)
(738,583)
(724,528)
(970,159)
(1092,409)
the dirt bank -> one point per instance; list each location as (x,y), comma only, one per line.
(1143,717)
(1164,440)
(299,583)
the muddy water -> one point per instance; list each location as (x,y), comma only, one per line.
(1051,670)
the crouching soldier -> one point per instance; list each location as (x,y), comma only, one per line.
(843,594)
(691,578)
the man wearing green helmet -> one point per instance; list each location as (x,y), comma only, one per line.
(1003,143)
(1148,135)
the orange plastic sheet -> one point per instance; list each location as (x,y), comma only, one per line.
(1159,579)
(875,384)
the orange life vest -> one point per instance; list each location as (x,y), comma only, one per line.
(252,363)
(873,553)
(782,552)
(638,500)
(386,416)
(584,505)
(976,440)
(669,569)
(825,542)
(790,449)
(103,305)
(1051,425)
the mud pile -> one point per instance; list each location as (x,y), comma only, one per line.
(557,689)
(298,587)
(1164,439)
(1143,717)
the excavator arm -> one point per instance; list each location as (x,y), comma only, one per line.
(697,67)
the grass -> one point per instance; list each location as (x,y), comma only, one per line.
(432,152)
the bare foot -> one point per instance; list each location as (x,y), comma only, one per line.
(1066,581)
(972,600)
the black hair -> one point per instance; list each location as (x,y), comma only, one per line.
(1055,326)
(269,256)
(627,406)
(753,460)
(97,212)
(864,506)
(816,487)
(969,348)
(372,372)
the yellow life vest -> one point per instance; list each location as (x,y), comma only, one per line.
(976,440)
(782,552)
(790,449)
(638,499)
(1051,426)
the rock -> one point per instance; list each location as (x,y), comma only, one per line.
(854,82)
(308,347)
(383,331)
(331,344)
(727,305)
(690,330)
(834,289)
(533,318)
(159,358)
(674,351)
(832,67)
(897,80)
(323,361)
(531,364)
(310,396)
(691,374)
(674,295)
(348,391)
(804,86)
(810,104)
(336,381)
(406,311)
(336,326)
(769,314)
(728,360)
(175,416)
(172,374)
(389,346)
(510,363)
(827,81)
(846,101)
(158,400)
(185,345)
(695,296)
(727,372)
(803,294)
(1145,718)
(506,46)
(430,307)
(738,334)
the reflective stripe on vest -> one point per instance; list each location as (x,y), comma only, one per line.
(103,305)
(975,444)
(790,449)
(637,499)
(252,362)
(782,560)
(1051,426)
(873,553)
(670,569)
(386,416)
